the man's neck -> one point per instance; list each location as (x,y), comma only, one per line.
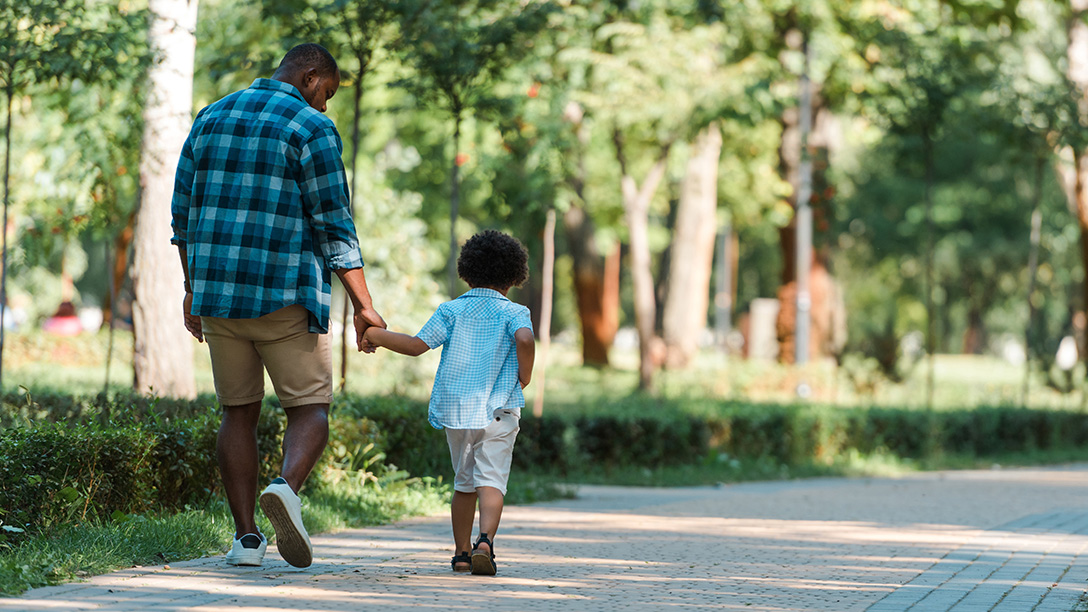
(284,78)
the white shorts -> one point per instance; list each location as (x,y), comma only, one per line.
(481,457)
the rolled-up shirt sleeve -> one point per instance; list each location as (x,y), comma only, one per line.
(326,201)
(183,195)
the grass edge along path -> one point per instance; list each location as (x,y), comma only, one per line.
(77,551)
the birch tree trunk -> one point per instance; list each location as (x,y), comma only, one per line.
(163,358)
(693,239)
(636,206)
(546,301)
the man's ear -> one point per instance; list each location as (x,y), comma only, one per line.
(309,77)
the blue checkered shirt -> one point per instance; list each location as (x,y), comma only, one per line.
(478,372)
(261,206)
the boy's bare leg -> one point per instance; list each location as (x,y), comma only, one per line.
(236,451)
(491,500)
(463,515)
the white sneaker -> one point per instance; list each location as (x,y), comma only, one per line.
(248,550)
(284,510)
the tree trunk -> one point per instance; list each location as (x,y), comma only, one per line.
(545,328)
(596,286)
(455,203)
(163,357)
(726,291)
(931,312)
(1077,54)
(1033,270)
(636,206)
(596,278)
(355,118)
(118,269)
(9,91)
(789,168)
(974,337)
(693,239)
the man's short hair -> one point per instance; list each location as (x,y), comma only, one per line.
(310,55)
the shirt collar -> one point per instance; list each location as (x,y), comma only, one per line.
(279,86)
(483,292)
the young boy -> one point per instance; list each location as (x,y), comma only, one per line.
(487,358)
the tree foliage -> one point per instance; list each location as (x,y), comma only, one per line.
(499,111)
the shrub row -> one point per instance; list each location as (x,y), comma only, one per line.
(786,434)
(69,458)
(26,408)
(60,472)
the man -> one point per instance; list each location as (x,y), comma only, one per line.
(260,217)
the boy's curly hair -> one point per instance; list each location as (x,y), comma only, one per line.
(493,259)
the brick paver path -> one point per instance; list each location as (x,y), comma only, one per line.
(1003,540)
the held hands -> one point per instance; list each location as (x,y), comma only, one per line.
(192,321)
(370,343)
(364,319)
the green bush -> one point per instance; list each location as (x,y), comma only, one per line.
(82,466)
(25,407)
(55,473)
(636,433)
(161,455)
(186,471)
(403,435)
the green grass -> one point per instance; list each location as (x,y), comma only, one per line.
(77,365)
(76,551)
(351,499)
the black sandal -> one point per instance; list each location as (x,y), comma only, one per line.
(461,558)
(483,564)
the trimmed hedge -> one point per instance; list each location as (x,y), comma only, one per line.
(62,463)
(674,434)
(67,459)
(68,472)
(58,473)
(27,408)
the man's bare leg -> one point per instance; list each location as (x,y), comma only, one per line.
(236,452)
(304,441)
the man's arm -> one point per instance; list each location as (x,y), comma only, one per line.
(525,345)
(354,281)
(404,344)
(328,211)
(179,222)
(192,321)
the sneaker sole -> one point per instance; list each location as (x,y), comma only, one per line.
(254,560)
(293,544)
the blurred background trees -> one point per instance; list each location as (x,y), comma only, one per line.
(947,152)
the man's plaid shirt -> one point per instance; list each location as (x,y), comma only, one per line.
(261,206)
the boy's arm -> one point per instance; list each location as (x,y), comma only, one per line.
(396,342)
(526,352)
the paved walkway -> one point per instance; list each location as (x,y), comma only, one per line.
(1003,540)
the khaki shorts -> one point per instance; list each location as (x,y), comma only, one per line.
(481,457)
(298,362)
